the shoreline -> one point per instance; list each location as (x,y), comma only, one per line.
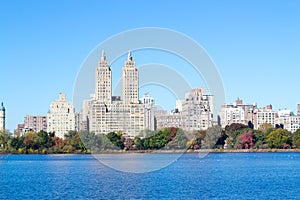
(173,151)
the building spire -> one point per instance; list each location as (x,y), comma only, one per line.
(103,57)
(2,108)
(129,56)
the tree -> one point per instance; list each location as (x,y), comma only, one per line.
(296,139)
(73,143)
(17,143)
(232,131)
(250,125)
(4,139)
(265,127)
(260,138)
(212,136)
(45,139)
(180,139)
(232,128)
(116,139)
(278,139)
(31,141)
(138,143)
(245,140)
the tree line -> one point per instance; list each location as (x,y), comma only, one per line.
(234,136)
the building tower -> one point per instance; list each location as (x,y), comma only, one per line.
(298,109)
(103,80)
(149,121)
(130,81)
(61,117)
(2,117)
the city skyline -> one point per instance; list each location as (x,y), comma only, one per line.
(254,46)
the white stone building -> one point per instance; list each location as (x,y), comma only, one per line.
(149,110)
(109,114)
(195,112)
(264,115)
(61,117)
(130,82)
(2,117)
(236,113)
(290,123)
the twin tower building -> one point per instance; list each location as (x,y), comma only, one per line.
(103,113)
(107,113)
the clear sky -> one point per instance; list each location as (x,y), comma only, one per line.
(254,44)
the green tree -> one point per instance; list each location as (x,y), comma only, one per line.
(199,137)
(31,141)
(264,127)
(296,139)
(212,136)
(260,138)
(4,140)
(138,143)
(17,142)
(116,139)
(89,139)
(180,140)
(45,139)
(278,139)
(73,143)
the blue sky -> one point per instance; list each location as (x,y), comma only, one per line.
(254,44)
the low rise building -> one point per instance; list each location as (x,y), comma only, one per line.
(195,112)
(290,123)
(237,113)
(35,123)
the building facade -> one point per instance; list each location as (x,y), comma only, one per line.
(149,110)
(290,123)
(237,113)
(2,117)
(264,115)
(35,123)
(61,117)
(130,82)
(112,114)
(103,83)
(195,112)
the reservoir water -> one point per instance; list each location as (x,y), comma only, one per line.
(216,176)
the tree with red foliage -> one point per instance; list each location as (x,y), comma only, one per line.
(245,140)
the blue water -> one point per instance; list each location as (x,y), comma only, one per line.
(216,176)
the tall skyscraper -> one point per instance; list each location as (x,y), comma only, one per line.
(2,117)
(109,114)
(130,81)
(298,109)
(61,117)
(103,81)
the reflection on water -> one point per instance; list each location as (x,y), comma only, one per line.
(137,163)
